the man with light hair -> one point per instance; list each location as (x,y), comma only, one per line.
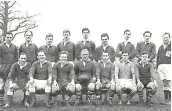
(105,74)
(145,76)
(67,45)
(64,77)
(50,50)
(125,78)
(164,66)
(85,71)
(40,78)
(18,77)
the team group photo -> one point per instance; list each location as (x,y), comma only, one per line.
(83,73)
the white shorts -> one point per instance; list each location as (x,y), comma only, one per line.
(165,71)
(126,83)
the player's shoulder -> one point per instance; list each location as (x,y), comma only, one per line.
(79,42)
(92,42)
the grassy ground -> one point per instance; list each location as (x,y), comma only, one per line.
(40,106)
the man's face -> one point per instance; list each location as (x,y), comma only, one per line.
(105,40)
(166,39)
(125,56)
(147,37)
(28,36)
(63,58)
(8,38)
(105,57)
(85,55)
(22,59)
(144,58)
(66,36)
(85,34)
(41,56)
(49,40)
(127,35)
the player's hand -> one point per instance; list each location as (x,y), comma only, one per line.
(94,79)
(156,85)
(98,83)
(72,82)
(140,84)
(49,80)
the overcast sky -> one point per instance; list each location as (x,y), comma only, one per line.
(110,16)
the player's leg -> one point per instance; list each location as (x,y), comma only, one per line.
(111,92)
(140,88)
(119,88)
(98,93)
(78,89)
(91,90)
(2,83)
(47,93)
(69,91)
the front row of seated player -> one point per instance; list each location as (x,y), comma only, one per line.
(84,77)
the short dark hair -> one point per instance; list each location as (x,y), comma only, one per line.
(49,35)
(125,51)
(127,30)
(9,33)
(145,52)
(23,53)
(66,31)
(105,35)
(63,52)
(28,31)
(41,50)
(84,50)
(166,33)
(147,32)
(85,29)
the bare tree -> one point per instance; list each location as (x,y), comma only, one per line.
(12,21)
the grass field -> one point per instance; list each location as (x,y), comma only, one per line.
(40,106)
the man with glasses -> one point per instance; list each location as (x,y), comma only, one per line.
(105,47)
(85,44)
(67,45)
(8,56)
(146,45)
(29,47)
(126,46)
(18,77)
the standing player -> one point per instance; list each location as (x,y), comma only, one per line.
(85,44)
(145,76)
(8,55)
(146,45)
(29,47)
(67,45)
(105,47)
(40,78)
(50,50)
(64,76)
(164,66)
(18,77)
(105,73)
(125,78)
(126,46)
(85,71)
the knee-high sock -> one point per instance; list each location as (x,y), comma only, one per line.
(140,93)
(151,94)
(47,97)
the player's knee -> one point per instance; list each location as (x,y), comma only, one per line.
(140,88)
(91,86)
(78,87)
(98,86)
(134,89)
(55,88)
(70,88)
(112,86)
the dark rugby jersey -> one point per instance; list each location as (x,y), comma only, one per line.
(31,51)
(63,74)
(162,56)
(110,50)
(51,52)
(69,47)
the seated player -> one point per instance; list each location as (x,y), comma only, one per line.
(105,72)
(145,76)
(40,78)
(85,71)
(63,75)
(18,77)
(125,78)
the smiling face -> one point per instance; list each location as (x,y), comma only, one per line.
(63,58)
(41,56)
(28,36)
(22,58)
(144,58)
(105,40)
(166,38)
